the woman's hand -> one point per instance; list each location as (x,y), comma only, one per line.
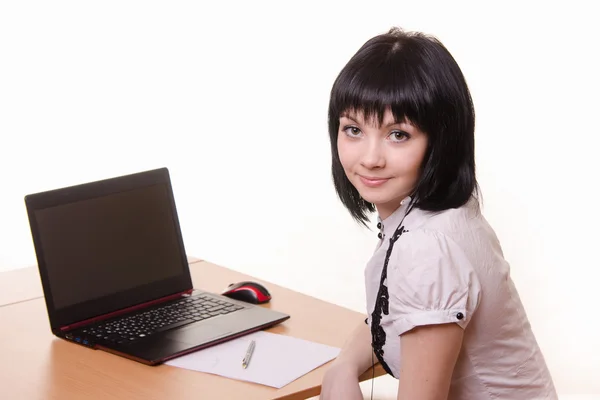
(340,382)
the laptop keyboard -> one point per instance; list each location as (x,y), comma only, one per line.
(159,319)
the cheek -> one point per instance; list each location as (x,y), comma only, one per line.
(345,152)
(414,164)
(410,164)
(417,156)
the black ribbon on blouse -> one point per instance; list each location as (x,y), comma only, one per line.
(382,302)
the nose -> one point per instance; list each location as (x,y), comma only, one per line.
(373,156)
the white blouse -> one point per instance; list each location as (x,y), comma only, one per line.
(448,267)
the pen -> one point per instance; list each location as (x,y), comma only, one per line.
(248,356)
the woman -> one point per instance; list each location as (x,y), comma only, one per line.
(444,317)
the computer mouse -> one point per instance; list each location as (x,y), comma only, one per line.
(250,292)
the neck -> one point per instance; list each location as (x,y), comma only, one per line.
(387,209)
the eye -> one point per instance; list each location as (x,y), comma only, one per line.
(399,136)
(352,131)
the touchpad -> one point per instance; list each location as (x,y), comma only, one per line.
(198,334)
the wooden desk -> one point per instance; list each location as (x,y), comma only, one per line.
(37,365)
(24,284)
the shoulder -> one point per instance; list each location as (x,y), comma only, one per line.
(439,235)
(454,220)
(425,250)
(459,230)
(431,280)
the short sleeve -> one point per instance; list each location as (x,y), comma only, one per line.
(430,281)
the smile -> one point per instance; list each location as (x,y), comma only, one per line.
(373,182)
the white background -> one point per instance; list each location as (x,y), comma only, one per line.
(232,97)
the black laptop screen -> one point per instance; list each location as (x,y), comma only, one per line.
(104,253)
(108,245)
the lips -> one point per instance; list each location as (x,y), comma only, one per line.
(371,181)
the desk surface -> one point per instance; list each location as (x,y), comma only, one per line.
(44,367)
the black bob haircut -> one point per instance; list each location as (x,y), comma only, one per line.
(417,79)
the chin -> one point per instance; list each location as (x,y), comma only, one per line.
(377,198)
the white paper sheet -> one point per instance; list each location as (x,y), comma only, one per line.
(277,359)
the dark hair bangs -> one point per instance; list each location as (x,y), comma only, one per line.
(370,86)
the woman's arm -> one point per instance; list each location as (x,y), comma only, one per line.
(357,353)
(427,360)
(356,356)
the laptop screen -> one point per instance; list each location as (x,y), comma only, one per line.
(111,246)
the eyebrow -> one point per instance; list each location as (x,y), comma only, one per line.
(356,122)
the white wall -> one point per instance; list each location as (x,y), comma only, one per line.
(232,97)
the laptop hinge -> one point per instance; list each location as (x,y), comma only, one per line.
(124,311)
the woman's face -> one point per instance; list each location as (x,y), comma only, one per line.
(383,162)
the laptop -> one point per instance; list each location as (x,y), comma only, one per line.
(115,274)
